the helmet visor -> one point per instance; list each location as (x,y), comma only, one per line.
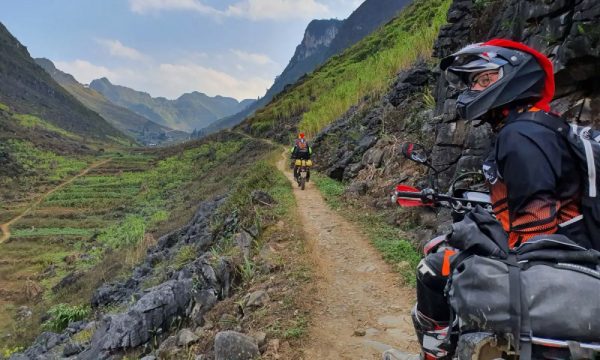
(464,68)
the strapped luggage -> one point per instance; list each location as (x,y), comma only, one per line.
(548,287)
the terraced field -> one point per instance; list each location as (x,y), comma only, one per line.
(97,226)
(57,237)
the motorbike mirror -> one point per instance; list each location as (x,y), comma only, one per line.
(415,152)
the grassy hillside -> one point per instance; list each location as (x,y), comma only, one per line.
(99,226)
(36,154)
(27,89)
(365,69)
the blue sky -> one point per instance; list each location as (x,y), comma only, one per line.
(168,47)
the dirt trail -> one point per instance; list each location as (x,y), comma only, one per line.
(356,289)
(6,226)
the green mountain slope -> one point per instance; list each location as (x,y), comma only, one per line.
(322,40)
(190,111)
(365,69)
(27,89)
(130,123)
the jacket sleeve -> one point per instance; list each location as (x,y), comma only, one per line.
(529,159)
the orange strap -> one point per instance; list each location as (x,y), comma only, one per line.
(446,264)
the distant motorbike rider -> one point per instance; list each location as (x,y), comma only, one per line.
(300,151)
(534,182)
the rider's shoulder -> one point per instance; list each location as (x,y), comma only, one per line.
(532,130)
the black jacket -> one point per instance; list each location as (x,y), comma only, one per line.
(535,183)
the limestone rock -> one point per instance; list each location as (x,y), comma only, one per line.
(262,198)
(256,299)
(231,345)
(186,338)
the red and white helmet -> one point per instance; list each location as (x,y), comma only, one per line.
(525,77)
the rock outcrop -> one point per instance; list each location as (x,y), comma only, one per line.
(231,345)
(566,31)
(187,293)
(363,146)
(360,141)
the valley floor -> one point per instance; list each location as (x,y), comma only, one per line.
(359,308)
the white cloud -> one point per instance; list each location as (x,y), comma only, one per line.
(254,58)
(84,71)
(277,9)
(180,78)
(249,9)
(145,6)
(116,48)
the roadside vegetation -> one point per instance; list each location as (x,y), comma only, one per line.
(98,227)
(364,70)
(388,239)
(278,260)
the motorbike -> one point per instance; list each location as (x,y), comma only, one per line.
(465,192)
(302,172)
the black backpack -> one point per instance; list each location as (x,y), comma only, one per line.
(302,146)
(584,143)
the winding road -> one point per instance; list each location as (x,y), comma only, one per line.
(360,309)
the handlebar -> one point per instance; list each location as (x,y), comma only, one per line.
(431,197)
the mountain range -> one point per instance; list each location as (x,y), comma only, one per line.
(322,40)
(25,88)
(188,112)
(138,127)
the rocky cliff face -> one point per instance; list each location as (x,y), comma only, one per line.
(363,147)
(322,40)
(318,35)
(369,16)
(566,31)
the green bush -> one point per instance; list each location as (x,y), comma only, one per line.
(8,351)
(62,315)
(128,233)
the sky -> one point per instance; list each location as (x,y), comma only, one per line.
(169,47)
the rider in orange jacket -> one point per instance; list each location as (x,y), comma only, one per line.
(534,182)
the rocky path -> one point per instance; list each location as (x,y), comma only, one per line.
(359,309)
(6,226)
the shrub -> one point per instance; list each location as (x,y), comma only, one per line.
(62,315)
(130,232)
(186,254)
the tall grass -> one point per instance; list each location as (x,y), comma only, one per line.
(128,233)
(62,315)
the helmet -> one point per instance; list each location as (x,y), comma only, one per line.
(525,77)
(301,135)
